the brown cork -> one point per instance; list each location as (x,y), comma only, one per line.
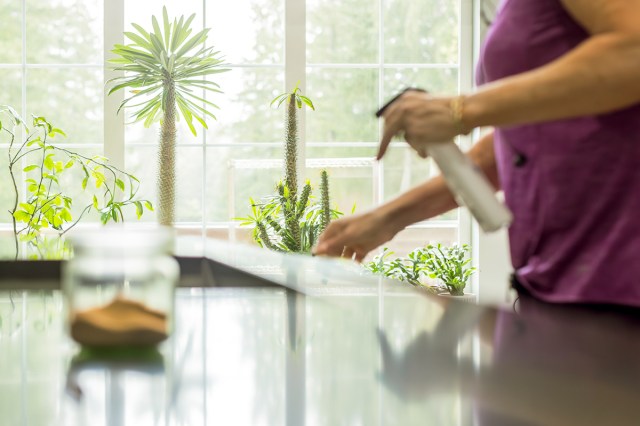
(122,322)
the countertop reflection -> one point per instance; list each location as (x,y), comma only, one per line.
(316,342)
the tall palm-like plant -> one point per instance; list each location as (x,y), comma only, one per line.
(165,69)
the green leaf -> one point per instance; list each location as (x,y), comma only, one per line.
(95,202)
(138,39)
(307,101)
(55,131)
(120,184)
(29,168)
(29,208)
(65,214)
(99,177)
(139,209)
(84,182)
(22,216)
(167,26)
(48,162)
(148,205)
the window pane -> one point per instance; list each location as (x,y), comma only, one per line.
(411,238)
(353,176)
(11,88)
(404,169)
(248,31)
(6,195)
(71,99)
(7,248)
(421,31)
(136,132)
(439,81)
(11,34)
(64,32)
(345,101)
(142,161)
(245,114)
(189,185)
(236,174)
(141,11)
(342,31)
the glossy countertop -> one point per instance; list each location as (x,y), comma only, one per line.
(274,339)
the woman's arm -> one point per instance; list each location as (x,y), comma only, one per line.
(433,198)
(599,76)
(359,234)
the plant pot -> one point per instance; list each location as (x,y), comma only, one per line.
(467,297)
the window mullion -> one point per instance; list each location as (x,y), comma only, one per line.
(113,123)
(295,60)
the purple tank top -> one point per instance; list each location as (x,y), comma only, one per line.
(576,200)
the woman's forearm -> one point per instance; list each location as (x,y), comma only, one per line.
(433,197)
(599,76)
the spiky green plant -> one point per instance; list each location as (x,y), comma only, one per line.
(166,70)
(287,222)
(294,100)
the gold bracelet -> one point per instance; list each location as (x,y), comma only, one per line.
(457,114)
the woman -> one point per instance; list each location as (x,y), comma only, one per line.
(560,82)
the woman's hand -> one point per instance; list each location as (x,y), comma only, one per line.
(355,236)
(422,119)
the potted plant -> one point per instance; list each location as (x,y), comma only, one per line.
(291,221)
(165,69)
(451,266)
(448,265)
(47,205)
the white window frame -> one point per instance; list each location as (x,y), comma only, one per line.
(295,68)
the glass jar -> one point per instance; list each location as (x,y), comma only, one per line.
(119,286)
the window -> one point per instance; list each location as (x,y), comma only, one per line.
(349,56)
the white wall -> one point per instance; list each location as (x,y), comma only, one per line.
(490,251)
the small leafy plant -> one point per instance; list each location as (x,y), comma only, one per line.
(449,265)
(288,221)
(46,203)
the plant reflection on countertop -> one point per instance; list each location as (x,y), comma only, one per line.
(47,203)
(449,265)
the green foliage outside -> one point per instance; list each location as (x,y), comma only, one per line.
(288,221)
(449,265)
(48,204)
(165,69)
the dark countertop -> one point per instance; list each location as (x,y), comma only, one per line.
(289,340)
